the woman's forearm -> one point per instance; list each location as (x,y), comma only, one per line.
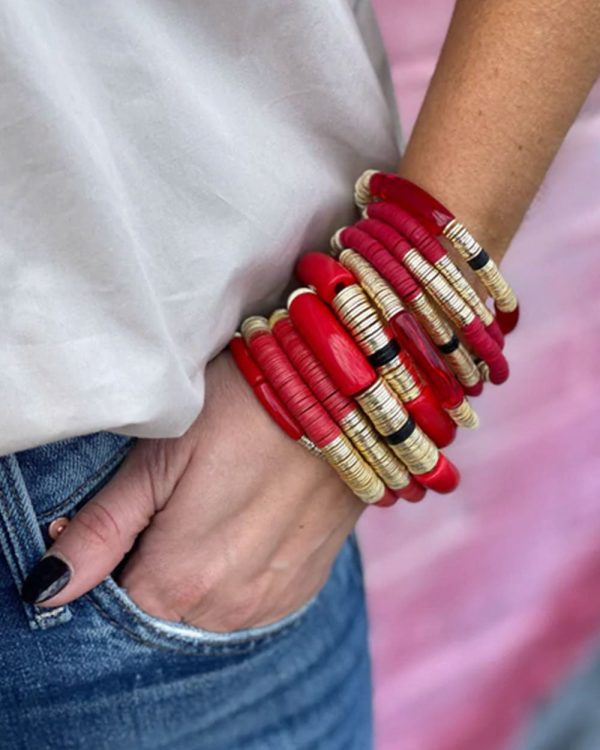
(511,79)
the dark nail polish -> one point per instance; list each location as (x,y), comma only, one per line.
(48,577)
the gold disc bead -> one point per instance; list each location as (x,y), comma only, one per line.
(418,453)
(448,269)
(436,285)
(392,471)
(489,273)
(381,294)
(353,470)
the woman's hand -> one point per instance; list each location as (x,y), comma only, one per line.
(236,524)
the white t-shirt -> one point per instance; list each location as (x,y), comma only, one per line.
(162,165)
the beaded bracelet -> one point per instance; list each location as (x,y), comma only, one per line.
(371,364)
(438,220)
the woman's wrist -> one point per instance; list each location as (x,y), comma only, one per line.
(484,217)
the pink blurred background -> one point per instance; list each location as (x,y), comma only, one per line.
(484,602)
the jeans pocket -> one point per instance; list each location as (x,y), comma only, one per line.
(113,603)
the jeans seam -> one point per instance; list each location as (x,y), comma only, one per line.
(84,487)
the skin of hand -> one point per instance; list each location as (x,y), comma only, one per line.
(236,524)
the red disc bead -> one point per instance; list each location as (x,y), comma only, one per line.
(311,370)
(333,346)
(408,227)
(292,390)
(377,255)
(325,274)
(269,400)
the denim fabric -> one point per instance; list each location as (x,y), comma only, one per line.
(101,673)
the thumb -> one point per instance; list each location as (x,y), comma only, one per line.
(96,539)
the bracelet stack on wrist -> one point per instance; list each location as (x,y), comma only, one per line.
(371,364)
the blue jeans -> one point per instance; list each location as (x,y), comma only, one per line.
(100,673)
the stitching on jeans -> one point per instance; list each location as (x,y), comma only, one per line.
(12,533)
(84,487)
(17,547)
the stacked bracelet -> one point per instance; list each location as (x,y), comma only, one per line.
(437,220)
(371,364)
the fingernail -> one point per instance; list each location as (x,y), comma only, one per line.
(48,577)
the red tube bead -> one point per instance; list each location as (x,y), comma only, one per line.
(434,422)
(433,368)
(444,478)
(325,274)
(328,339)
(430,212)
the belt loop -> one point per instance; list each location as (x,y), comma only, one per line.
(22,541)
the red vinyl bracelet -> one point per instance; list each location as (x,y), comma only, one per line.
(329,278)
(475,334)
(302,404)
(391,270)
(434,216)
(270,401)
(432,250)
(300,400)
(323,387)
(327,275)
(348,368)
(434,369)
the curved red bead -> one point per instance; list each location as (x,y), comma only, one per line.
(325,274)
(430,212)
(244,362)
(328,339)
(443,478)
(273,405)
(426,357)
(434,422)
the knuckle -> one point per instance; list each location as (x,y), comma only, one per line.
(99,524)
